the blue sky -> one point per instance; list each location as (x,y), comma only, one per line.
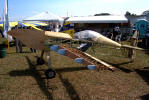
(21,9)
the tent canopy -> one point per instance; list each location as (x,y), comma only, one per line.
(99,19)
(44,16)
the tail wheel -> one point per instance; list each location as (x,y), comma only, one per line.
(50,73)
(40,61)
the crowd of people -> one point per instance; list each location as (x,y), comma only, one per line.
(115,34)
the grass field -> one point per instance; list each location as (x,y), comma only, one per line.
(22,79)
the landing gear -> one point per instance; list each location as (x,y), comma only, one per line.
(50,73)
(40,61)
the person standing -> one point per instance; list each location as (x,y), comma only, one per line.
(109,35)
(56,27)
(117,34)
(18,45)
(134,39)
(1,33)
(147,40)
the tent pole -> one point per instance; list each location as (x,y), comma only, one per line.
(7,24)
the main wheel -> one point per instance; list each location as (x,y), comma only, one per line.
(40,61)
(50,73)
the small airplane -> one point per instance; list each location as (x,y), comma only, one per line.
(48,40)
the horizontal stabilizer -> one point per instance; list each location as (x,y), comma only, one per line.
(132,47)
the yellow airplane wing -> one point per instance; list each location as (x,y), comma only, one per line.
(12,24)
(32,25)
(41,24)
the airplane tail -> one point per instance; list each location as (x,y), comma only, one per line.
(67,28)
(132,47)
(70,32)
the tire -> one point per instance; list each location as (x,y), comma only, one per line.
(50,73)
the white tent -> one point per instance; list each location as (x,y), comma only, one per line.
(45,16)
(99,19)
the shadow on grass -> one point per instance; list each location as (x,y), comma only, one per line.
(145,97)
(144,73)
(119,64)
(33,72)
(19,52)
(71,69)
(3,74)
(69,88)
(147,51)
